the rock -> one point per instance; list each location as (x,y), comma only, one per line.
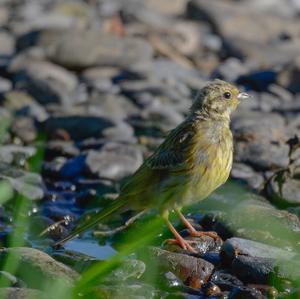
(81,127)
(114,160)
(36,267)
(79,49)
(7,43)
(27,183)
(132,291)
(258,126)
(22,293)
(262,156)
(236,246)
(284,192)
(101,79)
(246,293)
(116,106)
(252,218)
(129,269)
(61,148)
(226,281)
(201,245)
(289,76)
(191,270)
(245,173)
(231,20)
(24,105)
(24,128)
(46,82)
(8,153)
(230,70)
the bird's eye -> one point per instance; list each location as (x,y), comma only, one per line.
(227,95)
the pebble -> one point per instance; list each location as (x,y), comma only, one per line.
(114,161)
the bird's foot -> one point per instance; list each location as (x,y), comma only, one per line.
(184,244)
(195,233)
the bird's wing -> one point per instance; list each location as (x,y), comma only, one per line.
(169,156)
(173,152)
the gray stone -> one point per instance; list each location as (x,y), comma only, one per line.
(36,267)
(79,49)
(24,104)
(284,191)
(9,152)
(24,128)
(261,126)
(234,23)
(245,173)
(114,161)
(46,82)
(262,156)
(7,44)
(116,106)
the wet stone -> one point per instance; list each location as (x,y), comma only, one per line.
(191,270)
(202,245)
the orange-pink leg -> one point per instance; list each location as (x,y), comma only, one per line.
(178,239)
(193,232)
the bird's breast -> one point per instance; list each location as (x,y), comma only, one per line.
(212,162)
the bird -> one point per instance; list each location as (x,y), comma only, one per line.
(194,159)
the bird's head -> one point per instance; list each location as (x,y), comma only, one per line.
(218,99)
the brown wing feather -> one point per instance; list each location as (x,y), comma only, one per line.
(169,156)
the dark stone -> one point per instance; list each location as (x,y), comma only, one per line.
(226,281)
(246,293)
(234,247)
(253,269)
(81,127)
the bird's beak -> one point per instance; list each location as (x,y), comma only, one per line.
(243,96)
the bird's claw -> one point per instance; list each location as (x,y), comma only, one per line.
(184,244)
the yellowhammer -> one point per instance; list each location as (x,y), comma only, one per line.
(194,160)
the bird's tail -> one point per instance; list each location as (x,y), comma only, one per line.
(115,206)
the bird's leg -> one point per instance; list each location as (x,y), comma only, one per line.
(178,239)
(193,232)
